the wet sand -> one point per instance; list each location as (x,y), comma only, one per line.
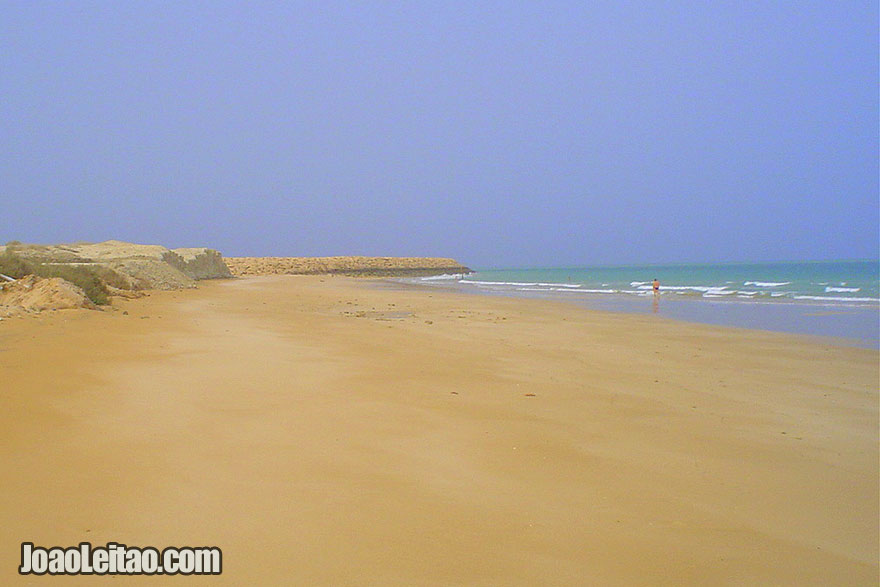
(324,431)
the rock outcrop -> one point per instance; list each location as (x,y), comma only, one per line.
(353,266)
(201,263)
(133,266)
(34,294)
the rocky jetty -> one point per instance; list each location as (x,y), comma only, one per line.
(351,266)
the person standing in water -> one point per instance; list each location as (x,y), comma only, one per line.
(656,286)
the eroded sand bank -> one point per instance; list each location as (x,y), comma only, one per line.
(323,431)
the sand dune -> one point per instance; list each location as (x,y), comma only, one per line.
(332,432)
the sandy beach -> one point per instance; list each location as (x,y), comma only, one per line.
(331,431)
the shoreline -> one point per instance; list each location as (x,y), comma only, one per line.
(789,317)
(413,437)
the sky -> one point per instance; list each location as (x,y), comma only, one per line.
(499,133)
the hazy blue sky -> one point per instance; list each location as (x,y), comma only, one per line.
(500,133)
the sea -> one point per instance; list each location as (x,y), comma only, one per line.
(839,299)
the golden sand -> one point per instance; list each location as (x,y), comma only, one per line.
(326,431)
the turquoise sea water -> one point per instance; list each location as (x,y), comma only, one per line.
(840,298)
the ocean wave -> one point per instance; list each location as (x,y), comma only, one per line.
(440,277)
(520,284)
(509,283)
(767,283)
(753,292)
(566,289)
(836,299)
(718,289)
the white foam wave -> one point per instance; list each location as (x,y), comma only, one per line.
(635,292)
(441,277)
(643,289)
(715,289)
(520,284)
(836,299)
(567,290)
(767,283)
(497,283)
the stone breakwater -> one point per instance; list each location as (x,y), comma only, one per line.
(351,266)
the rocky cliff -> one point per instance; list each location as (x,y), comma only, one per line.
(201,263)
(130,266)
